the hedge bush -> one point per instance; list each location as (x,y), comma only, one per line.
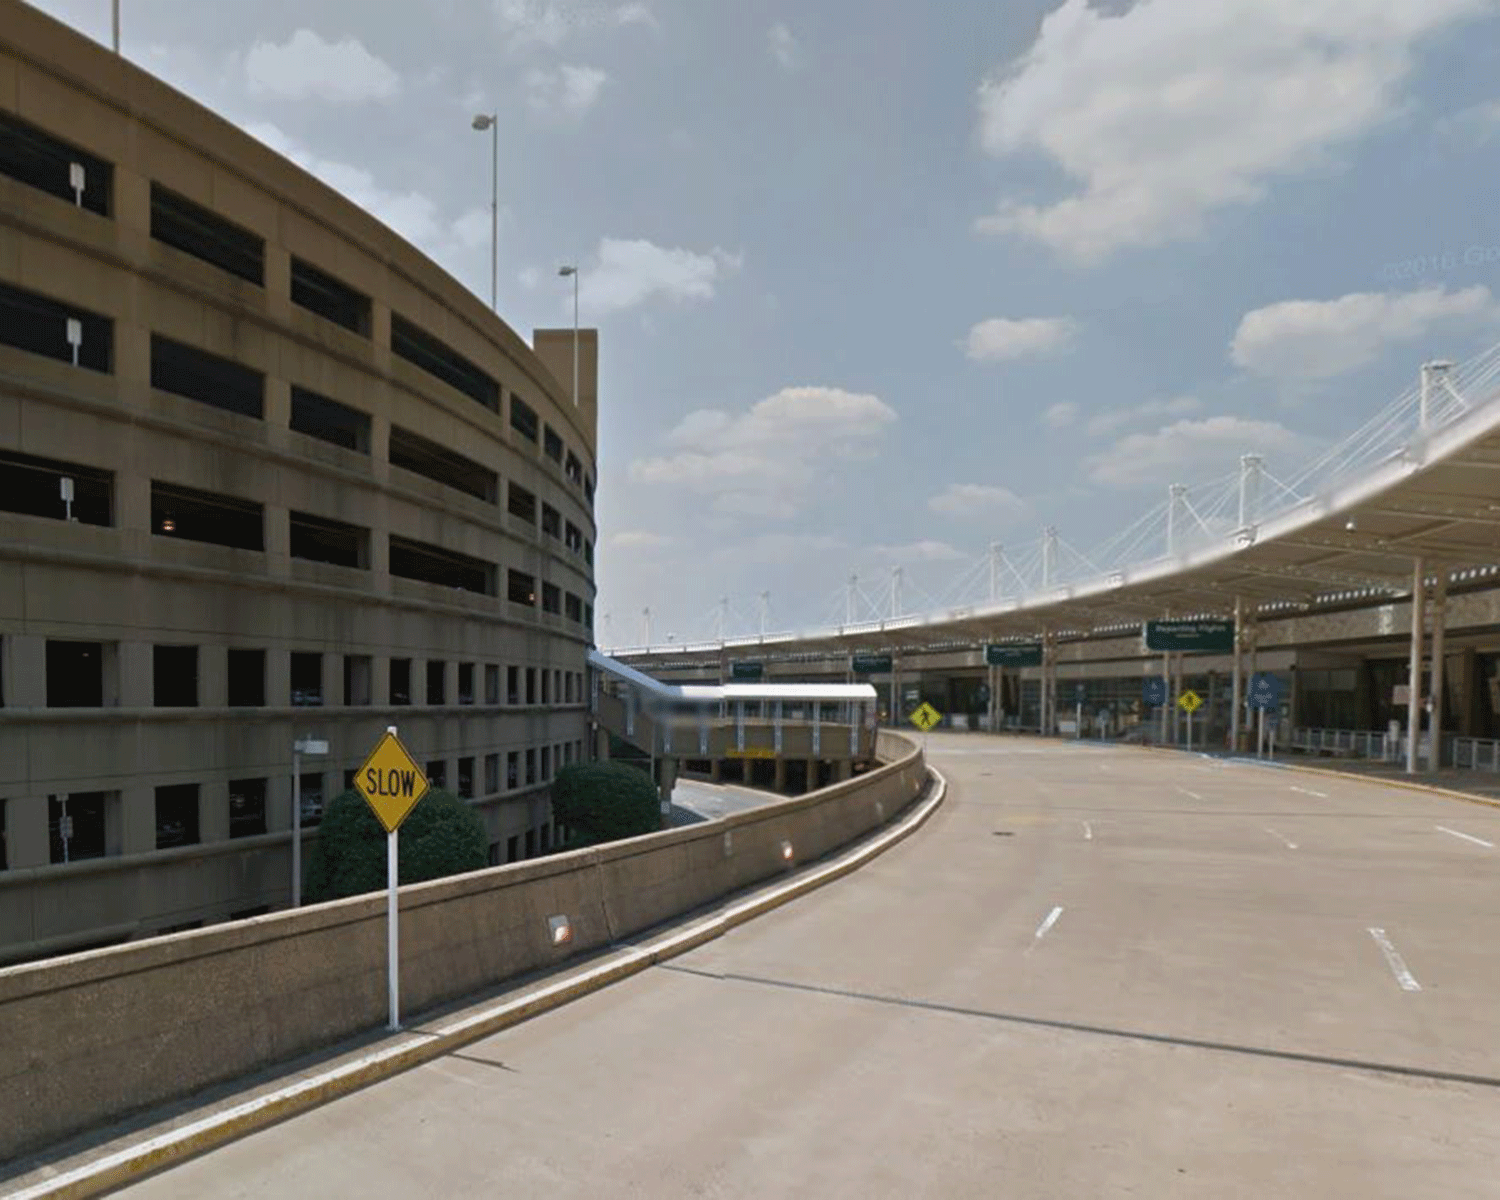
(441,836)
(604,801)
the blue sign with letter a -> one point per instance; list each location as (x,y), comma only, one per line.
(1154,691)
(1265,690)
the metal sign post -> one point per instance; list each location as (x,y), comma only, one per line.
(391,783)
(392,931)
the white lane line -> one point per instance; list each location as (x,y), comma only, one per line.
(1088,832)
(1309,792)
(1290,845)
(1193,795)
(1041,930)
(1466,837)
(1394,960)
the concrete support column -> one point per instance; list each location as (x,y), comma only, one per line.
(333,680)
(137,675)
(715,770)
(213,675)
(213,811)
(25,670)
(1166,683)
(278,402)
(811,782)
(666,773)
(380,679)
(278,282)
(1439,631)
(844,771)
(1414,690)
(278,541)
(279,800)
(26,840)
(779,782)
(1236,688)
(138,819)
(278,677)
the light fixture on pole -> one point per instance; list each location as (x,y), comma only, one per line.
(317,748)
(565,272)
(481,122)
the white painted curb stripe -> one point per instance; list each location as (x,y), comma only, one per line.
(1048,923)
(1466,837)
(1290,845)
(1309,792)
(1088,832)
(134,1162)
(1192,795)
(1394,960)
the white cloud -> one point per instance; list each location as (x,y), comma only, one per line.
(1117,418)
(1317,339)
(550,23)
(643,540)
(765,461)
(785,48)
(1001,338)
(1189,449)
(979,501)
(308,67)
(1060,415)
(1173,109)
(529,277)
(629,272)
(568,91)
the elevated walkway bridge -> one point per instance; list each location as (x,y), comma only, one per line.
(787,736)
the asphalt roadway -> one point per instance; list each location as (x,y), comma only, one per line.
(1094,972)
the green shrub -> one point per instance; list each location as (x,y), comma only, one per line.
(441,836)
(604,801)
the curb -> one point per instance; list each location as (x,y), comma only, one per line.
(136,1162)
(1325,772)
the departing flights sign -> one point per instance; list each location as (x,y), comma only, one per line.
(1022,654)
(391,782)
(871,664)
(1204,635)
(746,672)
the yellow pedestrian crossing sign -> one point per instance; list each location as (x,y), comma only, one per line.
(925,717)
(1190,701)
(391,782)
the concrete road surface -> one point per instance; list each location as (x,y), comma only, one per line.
(1094,973)
(707,801)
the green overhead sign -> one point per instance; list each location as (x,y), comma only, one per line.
(746,672)
(1200,636)
(1023,654)
(871,664)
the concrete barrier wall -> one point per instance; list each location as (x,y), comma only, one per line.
(92,1037)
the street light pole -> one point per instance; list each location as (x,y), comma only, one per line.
(565,272)
(115,14)
(481,122)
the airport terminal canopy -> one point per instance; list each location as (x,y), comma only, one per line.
(1417,488)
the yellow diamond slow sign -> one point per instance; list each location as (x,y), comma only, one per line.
(925,717)
(1190,702)
(391,782)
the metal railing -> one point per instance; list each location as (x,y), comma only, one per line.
(1465,753)
(1477,754)
(1361,743)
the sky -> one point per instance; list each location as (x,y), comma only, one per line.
(880,284)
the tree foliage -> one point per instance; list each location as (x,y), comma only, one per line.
(604,801)
(441,836)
